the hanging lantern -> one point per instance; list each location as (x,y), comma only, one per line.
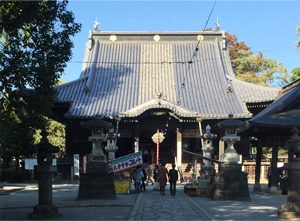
(158,137)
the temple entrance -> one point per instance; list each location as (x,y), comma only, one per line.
(167,149)
(151,121)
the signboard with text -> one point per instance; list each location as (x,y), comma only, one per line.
(126,162)
(30,163)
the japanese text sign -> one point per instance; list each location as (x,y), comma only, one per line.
(126,162)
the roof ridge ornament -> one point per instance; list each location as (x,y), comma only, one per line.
(96,25)
(229,86)
(217,23)
(159,97)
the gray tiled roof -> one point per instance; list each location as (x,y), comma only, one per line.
(126,75)
(251,93)
(283,112)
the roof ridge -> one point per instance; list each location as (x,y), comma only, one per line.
(290,86)
(252,93)
(71,82)
(157,32)
(158,103)
(251,84)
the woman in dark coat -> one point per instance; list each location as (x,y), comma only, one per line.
(163,176)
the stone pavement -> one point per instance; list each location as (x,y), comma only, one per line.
(16,203)
(151,205)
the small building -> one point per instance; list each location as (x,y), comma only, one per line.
(284,113)
(174,82)
(281,121)
(272,126)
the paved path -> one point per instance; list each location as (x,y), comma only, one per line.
(18,201)
(262,206)
(151,205)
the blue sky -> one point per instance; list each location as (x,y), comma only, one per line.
(266,26)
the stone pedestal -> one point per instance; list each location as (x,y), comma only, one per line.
(204,181)
(256,187)
(96,186)
(204,186)
(292,208)
(231,183)
(98,182)
(45,209)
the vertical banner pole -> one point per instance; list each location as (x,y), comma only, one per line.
(157,147)
(157,152)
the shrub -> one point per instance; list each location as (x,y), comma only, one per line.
(13,175)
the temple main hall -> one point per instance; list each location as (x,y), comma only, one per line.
(143,82)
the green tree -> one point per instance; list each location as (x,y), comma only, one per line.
(56,135)
(35,45)
(11,127)
(294,75)
(252,68)
(236,49)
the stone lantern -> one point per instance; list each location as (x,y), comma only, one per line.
(111,146)
(97,182)
(207,166)
(231,127)
(207,151)
(45,208)
(231,183)
(98,137)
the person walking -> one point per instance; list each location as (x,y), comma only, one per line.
(156,178)
(144,177)
(162,174)
(173,177)
(137,177)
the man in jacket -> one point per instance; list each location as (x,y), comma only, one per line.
(173,177)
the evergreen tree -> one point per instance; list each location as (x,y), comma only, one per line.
(35,46)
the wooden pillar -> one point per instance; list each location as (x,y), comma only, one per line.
(274,172)
(258,167)
(179,147)
(136,144)
(221,148)
(136,138)
(221,152)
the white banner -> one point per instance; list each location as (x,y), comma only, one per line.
(126,162)
(76,164)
